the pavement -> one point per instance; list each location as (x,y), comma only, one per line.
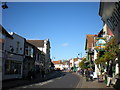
(92,84)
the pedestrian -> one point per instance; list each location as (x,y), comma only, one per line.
(33,73)
(29,75)
(91,74)
(43,73)
(82,71)
(110,72)
(87,74)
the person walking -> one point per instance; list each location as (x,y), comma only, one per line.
(87,74)
(110,72)
(43,73)
(29,75)
(91,74)
(82,72)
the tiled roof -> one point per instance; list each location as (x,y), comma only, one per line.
(90,41)
(76,59)
(37,43)
(65,62)
(57,62)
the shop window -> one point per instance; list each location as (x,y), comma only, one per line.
(12,67)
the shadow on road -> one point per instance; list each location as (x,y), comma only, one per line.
(23,82)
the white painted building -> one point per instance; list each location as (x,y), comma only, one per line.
(71,62)
(66,65)
(105,33)
(75,61)
(58,65)
(13,57)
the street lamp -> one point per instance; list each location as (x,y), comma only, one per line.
(4,6)
(80,54)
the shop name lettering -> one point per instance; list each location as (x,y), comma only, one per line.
(115,18)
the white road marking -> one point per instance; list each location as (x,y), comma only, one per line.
(59,78)
(38,84)
(43,83)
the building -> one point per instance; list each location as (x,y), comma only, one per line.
(29,59)
(43,46)
(13,56)
(4,35)
(71,63)
(58,65)
(89,47)
(112,19)
(66,65)
(110,15)
(100,43)
(74,63)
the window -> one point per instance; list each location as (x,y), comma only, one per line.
(110,24)
(29,51)
(37,56)
(17,46)
(26,50)
(12,67)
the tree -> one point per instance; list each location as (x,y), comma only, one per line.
(111,52)
(82,64)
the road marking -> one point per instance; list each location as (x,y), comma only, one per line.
(43,83)
(38,84)
(59,78)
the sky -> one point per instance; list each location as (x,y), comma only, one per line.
(65,24)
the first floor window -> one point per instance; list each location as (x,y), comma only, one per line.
(12,67)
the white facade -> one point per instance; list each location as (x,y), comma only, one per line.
(104,35)
(66,66)
(97,71)
(77,62)
(14,55)
(71,63)
(59,66)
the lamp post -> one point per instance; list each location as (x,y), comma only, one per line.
(80,54)
(4,5)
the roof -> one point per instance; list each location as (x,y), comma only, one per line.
(76,59)
(89,41)
(57,62)
(37,43)
(65,62)
(3,31)
(100,33)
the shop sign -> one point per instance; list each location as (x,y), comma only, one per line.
(100,43)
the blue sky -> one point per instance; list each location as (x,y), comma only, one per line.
(65,24)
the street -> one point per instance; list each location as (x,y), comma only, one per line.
(66,80)
(60,45)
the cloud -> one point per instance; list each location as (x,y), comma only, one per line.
(65,44)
